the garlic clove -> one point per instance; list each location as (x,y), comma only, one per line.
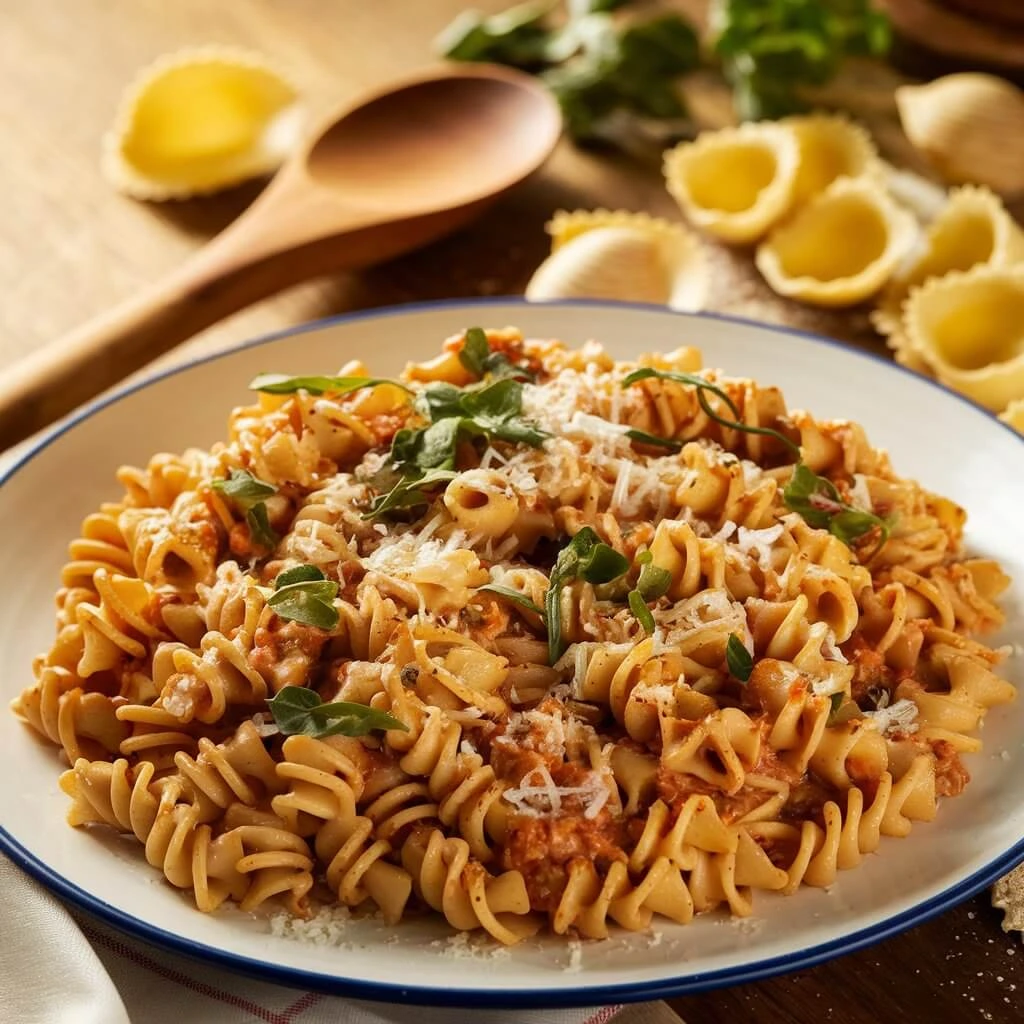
(972,228)
(830,147)
(735,183)
(968,326)
(840,248)
(613,254)
(201,120)
(970,126)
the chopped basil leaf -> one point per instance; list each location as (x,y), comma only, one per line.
(298,711)
(303,594)
(425,456)
(653,581)
(244,489)
(474,352)
(512,595)
(477,357)
(818,501)
(282,384)
(585,557)
(248,493)
(410,492)
(260,531)
(299,574)
(738,658)
(641,612)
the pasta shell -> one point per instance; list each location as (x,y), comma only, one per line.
(830,147)
(737,182)
(969,328)
(604,254)
(970,126)
(201,120)
(1013,415)
(840,248)
(972,228)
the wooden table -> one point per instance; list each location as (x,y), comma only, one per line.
(71,247)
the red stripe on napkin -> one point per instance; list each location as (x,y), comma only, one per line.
(285,1016)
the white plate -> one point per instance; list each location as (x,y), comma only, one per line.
(933,435)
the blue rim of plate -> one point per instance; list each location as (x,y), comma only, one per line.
(584,995)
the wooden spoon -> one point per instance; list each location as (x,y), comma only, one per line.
(393,171)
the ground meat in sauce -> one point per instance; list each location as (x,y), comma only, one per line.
(284,655)
(541,849)
(869,669)
(676,787)
(950,774)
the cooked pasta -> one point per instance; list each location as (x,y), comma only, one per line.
(527,638)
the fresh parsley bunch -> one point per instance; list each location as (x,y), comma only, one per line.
(770,49)
(595,66)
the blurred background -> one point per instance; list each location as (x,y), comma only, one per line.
(73,246)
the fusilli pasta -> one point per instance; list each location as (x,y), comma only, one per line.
(529,638)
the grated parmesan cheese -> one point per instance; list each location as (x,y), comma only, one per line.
(325,928)
(830,649)
(758,542)
(538,786)
(860,496)
(900,716)
(179,701)
(264,724)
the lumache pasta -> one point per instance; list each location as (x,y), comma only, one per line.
(529,638)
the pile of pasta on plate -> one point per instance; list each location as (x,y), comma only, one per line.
(528,638)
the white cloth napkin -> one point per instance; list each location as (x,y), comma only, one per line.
(59,967)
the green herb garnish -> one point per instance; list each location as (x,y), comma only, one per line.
(738,658)
(477,357)
(512,595)
(640,611)
(249,494)
(835,703)
(424,457)
(303,594)
(814,497)
(585,557)
(642,437)
(515,36)
(772,49)
(282,384)
(596,67)
(653,581)
(299,711)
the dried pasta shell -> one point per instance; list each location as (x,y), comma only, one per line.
(201,120)
(970,126)
(973,228)
(969,328)
(1013,415)
(838,249)
(735,183)
(830,147)
(604,254)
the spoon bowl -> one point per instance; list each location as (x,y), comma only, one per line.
(386,153)
(396,169)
